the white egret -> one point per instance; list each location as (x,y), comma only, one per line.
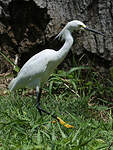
(38,68)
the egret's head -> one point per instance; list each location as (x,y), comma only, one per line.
(76,25)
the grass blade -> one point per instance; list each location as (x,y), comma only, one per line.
(16,68)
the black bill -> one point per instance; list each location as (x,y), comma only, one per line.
(92,30)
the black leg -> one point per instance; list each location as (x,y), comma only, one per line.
(38,101)
(42,110)
(39,107)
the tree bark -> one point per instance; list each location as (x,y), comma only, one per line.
(29,26)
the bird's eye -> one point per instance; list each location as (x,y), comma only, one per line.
(80,26)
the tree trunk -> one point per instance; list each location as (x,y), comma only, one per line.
(29,26)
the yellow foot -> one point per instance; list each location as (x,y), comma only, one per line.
(63,123)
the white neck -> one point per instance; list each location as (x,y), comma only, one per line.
(61,54)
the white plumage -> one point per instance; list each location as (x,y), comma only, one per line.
(38,68)
(35,71)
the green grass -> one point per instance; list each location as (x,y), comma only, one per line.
(80,97)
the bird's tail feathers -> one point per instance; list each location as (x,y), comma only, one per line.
(12,84)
